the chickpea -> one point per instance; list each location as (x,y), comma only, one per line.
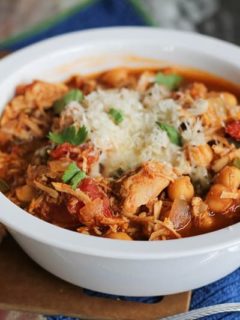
(215,114)
(115,78)
(229,99)
(214,200)
(201,155)
(229,177)
(25,193)
(181,188)
(88,86)
(119,236)
(198,90)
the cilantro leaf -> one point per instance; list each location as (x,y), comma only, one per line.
(71,134)
(80,135)
(72,95)
(4,187)
(73,175)
(70,172)
(171,81)
(236,163)
(77,178)
(56,137)
(172,133)
(116,115)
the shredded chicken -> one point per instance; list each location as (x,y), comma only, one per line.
(92,215)
(53,193)
(164,230)
(26,115)
(125,154)
(143,186)
(61,187)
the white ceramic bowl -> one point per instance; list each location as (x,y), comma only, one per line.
(133,268)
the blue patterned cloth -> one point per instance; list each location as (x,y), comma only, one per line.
(104,13)
(94,14)
(221,291)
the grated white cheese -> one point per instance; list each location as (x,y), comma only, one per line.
(200,178)
(167,110)
(137,138)
(198,107)
(194,132)
(154,94)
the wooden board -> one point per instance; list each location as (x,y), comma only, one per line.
(3,54)
(27,287)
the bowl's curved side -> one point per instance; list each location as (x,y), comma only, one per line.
(92,50)
(131,277)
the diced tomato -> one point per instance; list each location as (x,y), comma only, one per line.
(61,151)
(94,191)
(90,187)
(233,129)
(79,154)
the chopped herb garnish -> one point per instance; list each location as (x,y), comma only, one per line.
(71,134)
(4,187)
(172,133)
(73,175)
(77,178)
(70,172)
(116,115)
(72,95)
(171,81)
(236,163)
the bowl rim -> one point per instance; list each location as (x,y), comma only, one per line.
(34,228)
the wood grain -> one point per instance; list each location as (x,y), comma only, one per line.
(3,54)
(27,287)
(3,232)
